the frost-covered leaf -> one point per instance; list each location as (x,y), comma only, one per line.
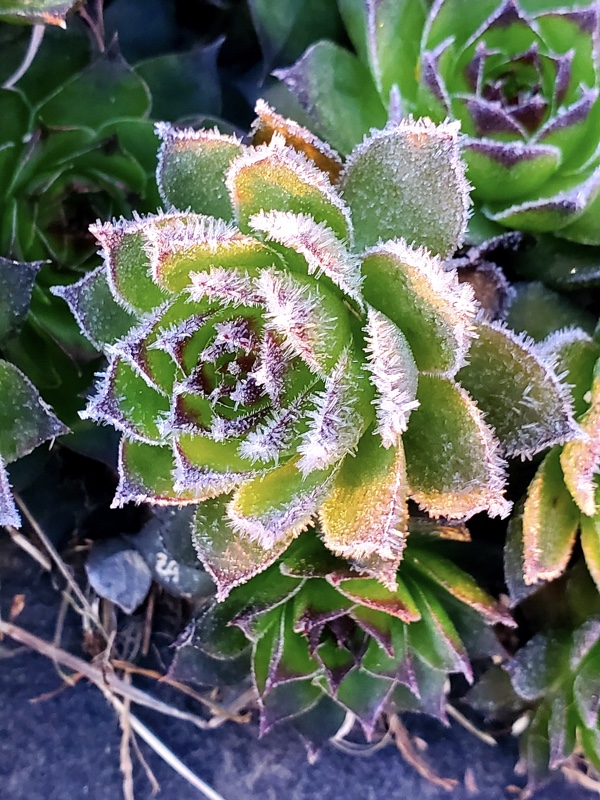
(16,284)
(126,401)
(191,169)
(585,691)
(368,592)
(580,459)
(575,354)
(9,514)
(269,122)
(453,461)
(146,472)
(229,557)
(37,12)
(550,522)
(514,562)
(327,70)
(518,391)
(365,512)
(277,506)
(393,374)
(278,178)
(421,191)
(118,573)
(323,252)
(25,420)
(92,304)
(434,312)
(127,264)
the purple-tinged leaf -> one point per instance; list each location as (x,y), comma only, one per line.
(563,202)
(504,170)
(230,558)
(370,593)
(514,563)
(318,725)
(365,695)
(459,584)
(92,304)
(529,669)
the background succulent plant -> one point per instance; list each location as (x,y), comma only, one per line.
(521,76)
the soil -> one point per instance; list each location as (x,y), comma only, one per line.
(68,746)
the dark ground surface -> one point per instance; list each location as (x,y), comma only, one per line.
(67,747)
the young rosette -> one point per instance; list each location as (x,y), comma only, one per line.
(520,75)
(289,347)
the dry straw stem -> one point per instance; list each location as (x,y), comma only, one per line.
(109,684)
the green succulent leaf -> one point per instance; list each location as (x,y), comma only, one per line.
(25,423)
(106,90)
(100,318)
(16,286)
(402,205)
(443,479)
(327,70)
(590,543)
(388,34)
(518,391)
(550,522)
(191,171)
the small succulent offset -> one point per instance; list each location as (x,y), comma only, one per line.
(522,76)
(289,357)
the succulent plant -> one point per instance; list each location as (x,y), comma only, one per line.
(286,357)
(520,75)
(25,419)
(555,675)
(562,498)
(325,640)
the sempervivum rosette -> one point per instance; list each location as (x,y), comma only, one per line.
(520,75)
(300,354)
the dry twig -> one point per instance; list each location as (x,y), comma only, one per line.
(413,758)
